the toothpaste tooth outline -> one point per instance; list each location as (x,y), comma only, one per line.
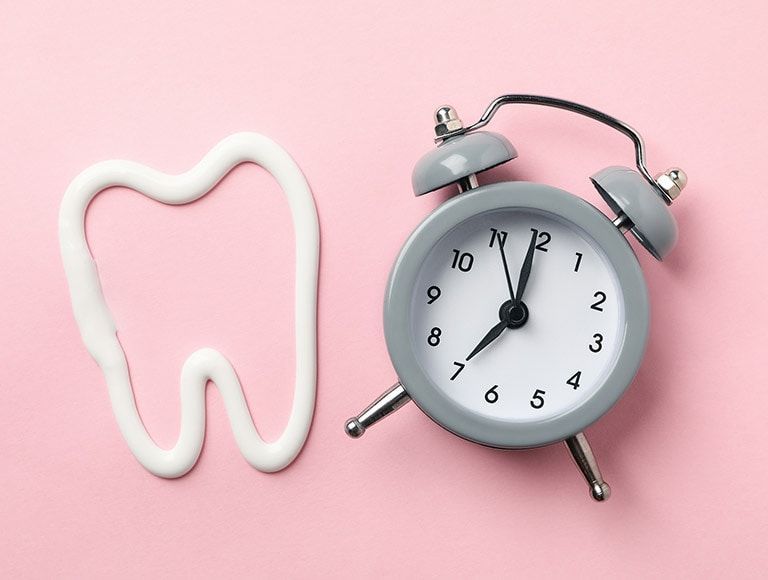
(99,332)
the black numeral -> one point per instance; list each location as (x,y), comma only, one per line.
(458,370)
(462,261)
(434,336)
(501,234)
(598,345)
(574,380)
(579,256)
(600,295)
(433,293)
(491,396)
(537,401)
(544,237)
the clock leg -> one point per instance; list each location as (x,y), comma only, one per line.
(585,460)
(387,403)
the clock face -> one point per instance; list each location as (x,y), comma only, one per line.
(526,357)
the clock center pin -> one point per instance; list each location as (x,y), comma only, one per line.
(516,315)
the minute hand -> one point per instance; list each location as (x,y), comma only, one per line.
(506,268)
(525,272)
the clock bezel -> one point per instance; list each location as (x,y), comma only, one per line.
(432,400)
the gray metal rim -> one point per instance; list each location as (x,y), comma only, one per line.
(397,305)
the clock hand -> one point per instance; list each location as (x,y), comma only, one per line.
(525,272)
(492,335)
(506,268)
(496,331)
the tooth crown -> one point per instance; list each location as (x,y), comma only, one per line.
(98,329)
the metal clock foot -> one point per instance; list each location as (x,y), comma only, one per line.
(585,460)
(387,403)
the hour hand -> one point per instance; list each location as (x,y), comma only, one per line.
(492,335)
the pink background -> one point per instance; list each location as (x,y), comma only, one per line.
(349,91)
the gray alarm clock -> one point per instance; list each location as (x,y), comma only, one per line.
(516,314)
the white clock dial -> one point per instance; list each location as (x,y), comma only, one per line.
(565,349)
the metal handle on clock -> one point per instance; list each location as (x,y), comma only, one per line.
(599,116)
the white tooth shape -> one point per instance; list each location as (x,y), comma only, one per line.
(99,332)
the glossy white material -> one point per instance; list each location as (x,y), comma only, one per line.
(98,330)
